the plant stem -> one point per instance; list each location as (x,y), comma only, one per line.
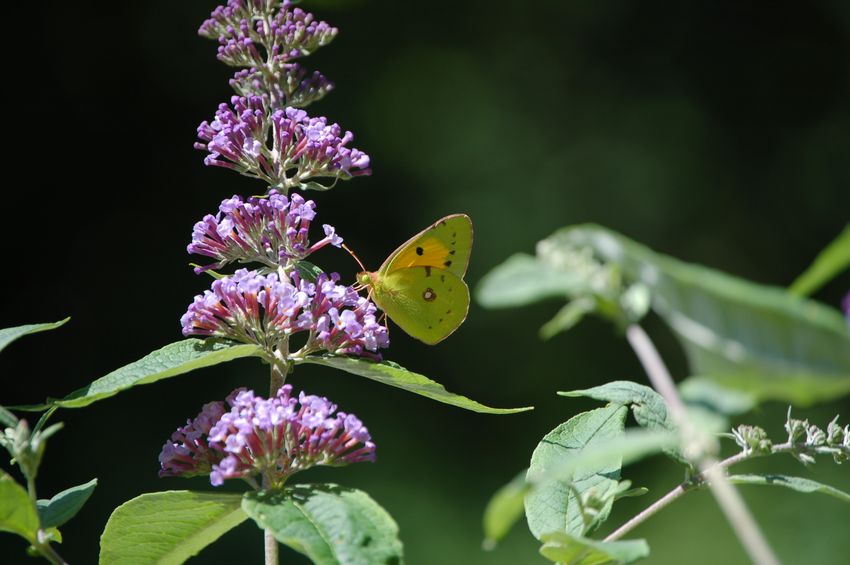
(727,496)
(50,554)
(271,548)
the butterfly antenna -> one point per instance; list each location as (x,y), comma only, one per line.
(353,254)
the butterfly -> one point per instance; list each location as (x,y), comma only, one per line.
(420,286)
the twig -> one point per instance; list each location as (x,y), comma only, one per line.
(727,496)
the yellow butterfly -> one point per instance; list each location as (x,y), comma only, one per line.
(420,286)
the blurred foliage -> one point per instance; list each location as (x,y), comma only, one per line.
(713,132)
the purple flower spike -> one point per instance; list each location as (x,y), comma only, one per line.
(286,149)
(254,33)
(273,438)
(252,308)
(187,453)
(272,231)
(289,86)
(282,435)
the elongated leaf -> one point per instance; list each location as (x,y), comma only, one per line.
(331,525)
(17,513)
(395,375)
(168,527)
(834,259)
(647,406)
(746,336)
(567,317)
(703,391)
(7,418)
(65,505)
(569,549)
(172,360)
(523,279)
(8,335)
(795,483)
(554,506)
(504,509)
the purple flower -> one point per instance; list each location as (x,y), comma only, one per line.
(272,231)
(285,149)
(253,33)
(290,85)
(273,438)
(188,453)
(262,309)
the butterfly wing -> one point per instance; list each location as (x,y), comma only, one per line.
(427,303)
(445,245)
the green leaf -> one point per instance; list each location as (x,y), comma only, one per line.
(703,391)
(65,505)
(8,335)
(168,527)
(795,483)
(750,337)
(172,360)
(553,506)
(834,259)
(575,550)
(329,524)
(308,271)
(17,512)
(523,279)
(395,375)
(7,418)
(567,317)
(648,406)
(503,510)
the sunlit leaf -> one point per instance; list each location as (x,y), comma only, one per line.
(170,361)
(795,483)
(754,338)
(65,505)
(503,510)
(569,549)
(331,525)
(834,259)
(8,335)
(17,512)
(521,280)
(553,506)
(168,527)
(395,375)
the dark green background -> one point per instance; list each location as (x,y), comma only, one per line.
(713,131)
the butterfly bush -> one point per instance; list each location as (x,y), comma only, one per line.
(263,133)
(270,439)
(272,231)
(267,310)
(285,148)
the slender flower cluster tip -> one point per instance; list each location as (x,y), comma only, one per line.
(270,439)
(266,310)
(272,231)
(263,133)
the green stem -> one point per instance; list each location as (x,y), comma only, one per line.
(728,498)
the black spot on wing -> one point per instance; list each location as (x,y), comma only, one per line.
(419,251)
(448,263)
(427,270)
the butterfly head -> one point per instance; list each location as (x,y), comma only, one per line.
(366,279)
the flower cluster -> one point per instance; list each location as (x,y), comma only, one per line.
(291,85)
(265,310)
(808,440)
(273,438)
(272,231)
(285,149)
(188,453)
(285,33)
